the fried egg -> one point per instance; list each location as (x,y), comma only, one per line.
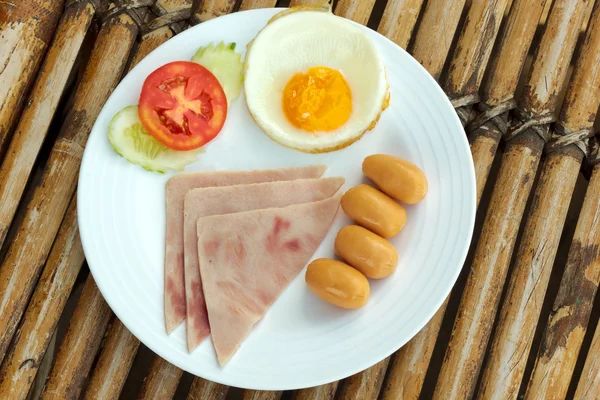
(313,81)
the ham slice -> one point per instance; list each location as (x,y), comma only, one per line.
(247,259)
(176,189)
(232,199)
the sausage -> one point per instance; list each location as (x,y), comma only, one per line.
(374,210)
(398,178)
(367,252)
(337,283)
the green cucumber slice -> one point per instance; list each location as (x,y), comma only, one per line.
(130,140)
(225,64)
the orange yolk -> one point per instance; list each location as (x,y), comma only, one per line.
(318,100)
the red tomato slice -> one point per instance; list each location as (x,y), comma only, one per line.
(182,105)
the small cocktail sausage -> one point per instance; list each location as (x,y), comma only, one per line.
(337,283)
(372,255)
(374,210)
(396,177)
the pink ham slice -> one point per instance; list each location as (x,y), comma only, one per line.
(176,189)
(247,259)
(232,199)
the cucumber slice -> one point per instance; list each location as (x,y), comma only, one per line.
(131,141)
(225,64)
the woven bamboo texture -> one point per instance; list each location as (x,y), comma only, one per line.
(522,320)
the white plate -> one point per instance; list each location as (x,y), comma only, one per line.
(301,341)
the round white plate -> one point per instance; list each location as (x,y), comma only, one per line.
(301,341)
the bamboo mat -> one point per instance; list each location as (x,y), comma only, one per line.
(522,320)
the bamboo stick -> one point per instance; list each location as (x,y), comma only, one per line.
(64,155)
(567,324)
(399,19)
(473,51)
(173,8)
(41,105)
(251,4)
(206,390)
(66,257)
(39,323)
(43,370)
(498,90)
(115,361)
(161,381)
(484,285)
(323,392)
(516,37)
(150,41)
(519,316)
(29,249)
(589,382)
(81,13)
(409,365)
(473,322)
(210,9)
(75,355)
(295,3)
(364,385)
(26,29)
(358,11)
(261,395)
(172,13)
(435,34)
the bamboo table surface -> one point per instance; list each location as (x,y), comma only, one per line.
(522,320)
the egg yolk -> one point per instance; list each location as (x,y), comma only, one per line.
(318,100)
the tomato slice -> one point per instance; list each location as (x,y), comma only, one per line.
(182,105)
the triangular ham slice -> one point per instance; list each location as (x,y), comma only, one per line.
(176,189)
(247,259)
(232,199)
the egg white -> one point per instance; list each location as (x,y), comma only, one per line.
(301,40)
